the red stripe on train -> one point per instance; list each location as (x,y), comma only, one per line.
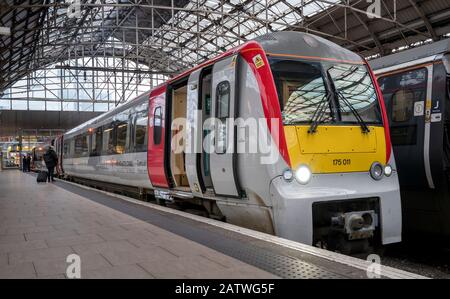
(269,95)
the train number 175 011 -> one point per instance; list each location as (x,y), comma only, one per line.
(342,162)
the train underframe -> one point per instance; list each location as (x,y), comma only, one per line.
(202,207)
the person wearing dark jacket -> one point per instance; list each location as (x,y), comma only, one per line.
(24,164)
(51,160)
(28,163)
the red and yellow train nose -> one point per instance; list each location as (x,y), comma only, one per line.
(336,149)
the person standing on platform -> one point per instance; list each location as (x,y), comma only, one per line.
(24,163)
(51,160)
(28,163)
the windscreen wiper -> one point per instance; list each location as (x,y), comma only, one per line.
(358,117)
(339,94)
(318,114)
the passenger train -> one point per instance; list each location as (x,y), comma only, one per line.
(323,172)
(37,158)
(416,88)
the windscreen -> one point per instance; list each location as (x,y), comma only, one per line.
(304,86)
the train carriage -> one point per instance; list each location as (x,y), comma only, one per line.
(58,144)
(286,134)
(37,158)
(416,87)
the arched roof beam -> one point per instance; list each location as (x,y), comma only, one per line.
(374,37)
(425,19)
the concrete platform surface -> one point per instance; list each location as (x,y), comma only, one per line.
(40,225)
(115,236)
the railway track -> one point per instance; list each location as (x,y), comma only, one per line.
(429,261)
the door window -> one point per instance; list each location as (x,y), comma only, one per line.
(222,114)
(223,100)
(157,126)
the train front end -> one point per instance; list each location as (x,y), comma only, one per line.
(340,188)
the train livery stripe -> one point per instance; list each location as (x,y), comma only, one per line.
(315,58)
(387,130)
(269,95)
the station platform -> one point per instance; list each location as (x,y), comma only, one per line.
(120,237)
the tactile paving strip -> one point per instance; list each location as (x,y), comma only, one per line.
(282,266)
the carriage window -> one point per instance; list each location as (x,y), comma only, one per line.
(141,132)
(81,146)
(121,142)
(78,146)
(108,141)
(402,105)
(122,132)
(96,146)
(157,126)
(66,148)
(402,91)
(223,100)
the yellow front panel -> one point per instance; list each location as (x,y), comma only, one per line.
(336,149)
(331,140)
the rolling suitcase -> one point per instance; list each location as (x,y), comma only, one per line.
(42,177)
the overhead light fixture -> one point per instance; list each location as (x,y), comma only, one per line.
(5,31)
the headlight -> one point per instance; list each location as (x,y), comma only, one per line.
(376,171)
(388,170)
(288,175)
(303,174)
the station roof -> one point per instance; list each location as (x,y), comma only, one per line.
(170,36)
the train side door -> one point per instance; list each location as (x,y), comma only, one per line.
(223,156)
(156,139)
(60,141)
(194,134)
(408,102)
